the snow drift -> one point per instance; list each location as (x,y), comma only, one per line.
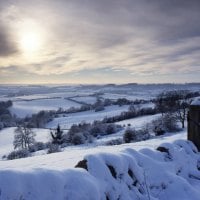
(172,171)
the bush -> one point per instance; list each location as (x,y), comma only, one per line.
(130,135)
(166,123)
(114,142)
(78,138)
(170,122)
(99,108)
(158,127)
(142,134)
(53,148)
(23,153)
(110,129)
(37,147)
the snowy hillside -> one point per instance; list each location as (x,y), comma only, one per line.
(170,172)
(161,167)
(87,116)
(23,108)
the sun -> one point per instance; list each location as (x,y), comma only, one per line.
(30,38)
(30,42)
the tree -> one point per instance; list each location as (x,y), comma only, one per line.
(57,135)
(174,102)
(182,108)
(24,137)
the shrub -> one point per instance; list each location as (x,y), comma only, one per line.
(53,148)
(37,147)
(129,135)
(78,138)
(143,134)
(23,153)
(158,127)
(110,129)
(170,122)
(114,142)
(166,123)
(99,108)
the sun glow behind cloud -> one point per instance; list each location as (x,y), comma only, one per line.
(30,38)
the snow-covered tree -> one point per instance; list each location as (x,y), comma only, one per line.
(24,137)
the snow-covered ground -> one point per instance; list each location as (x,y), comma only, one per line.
(7,136)
(138,122)
(113,172)
(124,172)
(87,116)
(43,135)
(86,99)
(24,108)
(72,154)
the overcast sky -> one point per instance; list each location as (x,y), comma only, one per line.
(99,41)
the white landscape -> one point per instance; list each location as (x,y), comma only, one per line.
(99,100)
(155,168)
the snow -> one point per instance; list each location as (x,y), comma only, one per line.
(196,102)
(87,116)
(138,122)
(86,99)
(128,171)
(7,137)
(72,154)
(24,108)
(6,141)
(126,174)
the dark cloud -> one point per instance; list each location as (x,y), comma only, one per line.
(7,45)
(141,36)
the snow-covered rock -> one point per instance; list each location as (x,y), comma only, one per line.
(170,172)
(196,102)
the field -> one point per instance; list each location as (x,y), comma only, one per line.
(54,172)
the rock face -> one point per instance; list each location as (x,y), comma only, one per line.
(194,123)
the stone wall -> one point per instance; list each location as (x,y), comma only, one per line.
(194,125)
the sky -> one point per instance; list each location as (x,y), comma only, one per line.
(99,41)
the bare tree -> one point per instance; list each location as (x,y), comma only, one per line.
(174,102)
(182,108)
(24,138)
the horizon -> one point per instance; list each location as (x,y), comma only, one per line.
(95,84)
(92,42)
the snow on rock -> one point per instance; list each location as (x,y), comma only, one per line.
(196,102)
(170,172)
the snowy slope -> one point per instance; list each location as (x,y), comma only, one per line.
(7,136)
(87,116)
(72,154)
(24,108)
(171,173)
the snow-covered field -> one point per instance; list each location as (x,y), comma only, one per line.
(7,136)
(86,99)
(24,108)
(119,172)
(112,172)
(71,155)
(87,116)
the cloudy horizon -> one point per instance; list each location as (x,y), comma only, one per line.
(105,41)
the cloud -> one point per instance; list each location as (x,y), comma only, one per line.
(7,45)
(134,36)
